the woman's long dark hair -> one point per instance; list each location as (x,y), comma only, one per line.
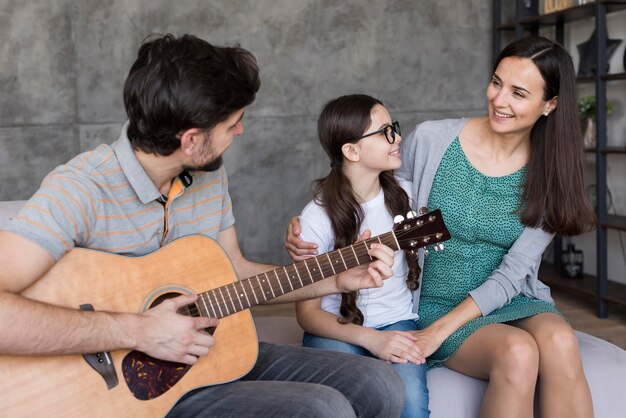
(341,120)
(554,195)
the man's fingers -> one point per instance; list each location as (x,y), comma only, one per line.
(183,300)
(205,322)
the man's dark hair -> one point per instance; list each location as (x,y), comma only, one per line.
(179,84)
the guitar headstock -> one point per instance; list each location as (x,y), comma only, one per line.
(416,232)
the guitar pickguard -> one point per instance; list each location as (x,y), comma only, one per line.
(147,377)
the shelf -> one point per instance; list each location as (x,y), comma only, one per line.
(585,286)
(607,150)
(570,14)
(607,77)
(616,76)
(615,222)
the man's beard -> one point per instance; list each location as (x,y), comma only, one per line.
(213,165)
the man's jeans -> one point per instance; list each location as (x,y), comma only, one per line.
(289,381)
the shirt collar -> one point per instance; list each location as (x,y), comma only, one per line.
(136,175)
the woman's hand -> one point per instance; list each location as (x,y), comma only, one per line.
(298,250)
(394,347)
(428,339)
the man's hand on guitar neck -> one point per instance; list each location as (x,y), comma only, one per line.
(168,335)
(368,275)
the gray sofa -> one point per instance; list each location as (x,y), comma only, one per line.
(454,395)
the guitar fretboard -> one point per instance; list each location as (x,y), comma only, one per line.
(243,294)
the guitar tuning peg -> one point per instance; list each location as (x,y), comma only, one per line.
(423,210)
(398,219)
(411,215)
(439,247)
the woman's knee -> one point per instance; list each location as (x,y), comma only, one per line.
(517,359)
(559,351)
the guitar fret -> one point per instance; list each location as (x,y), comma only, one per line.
(287,276)
(307,269)
(282,292)
(230,297)
(262,290)
(298,273)
(206,309)
(319,267)
(223,299)
(366,251)
(219,308)
(253,292)
(331,263)
(208,295)
(356,257)
(233,286)
(344,261)
(270,284)
(243,292)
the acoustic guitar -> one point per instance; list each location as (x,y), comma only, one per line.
(132,384)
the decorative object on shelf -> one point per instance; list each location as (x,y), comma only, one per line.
(572,262)
(587,52)
(587,113)
(526,8)
(550,6)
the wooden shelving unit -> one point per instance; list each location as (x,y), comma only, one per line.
(600,288)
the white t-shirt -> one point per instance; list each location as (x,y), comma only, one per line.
(381,306)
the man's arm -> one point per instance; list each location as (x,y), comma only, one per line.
(32,327)
(365,276)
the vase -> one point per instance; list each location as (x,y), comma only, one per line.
(589,133)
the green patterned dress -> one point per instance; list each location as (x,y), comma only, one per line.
(480,213)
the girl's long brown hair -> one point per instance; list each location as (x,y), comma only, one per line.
(341,120)
(554,195)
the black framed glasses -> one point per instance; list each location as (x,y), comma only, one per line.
(390,132)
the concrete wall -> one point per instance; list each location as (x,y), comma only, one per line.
(64,64)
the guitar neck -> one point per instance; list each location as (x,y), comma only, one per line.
(235,297)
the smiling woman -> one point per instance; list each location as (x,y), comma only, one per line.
(505,183)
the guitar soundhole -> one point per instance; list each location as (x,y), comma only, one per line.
(148,377)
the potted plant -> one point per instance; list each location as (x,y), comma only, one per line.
(587,113)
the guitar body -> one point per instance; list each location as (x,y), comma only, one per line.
(67,386)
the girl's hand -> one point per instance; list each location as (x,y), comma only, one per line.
(394,347)
(298,250)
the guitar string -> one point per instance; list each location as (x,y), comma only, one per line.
(323,263)
(233,287)
(362,252)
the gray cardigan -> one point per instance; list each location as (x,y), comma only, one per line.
(422,151)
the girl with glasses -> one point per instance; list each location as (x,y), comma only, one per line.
(506,183)
(357,198)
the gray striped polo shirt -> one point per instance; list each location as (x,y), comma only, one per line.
(104,200)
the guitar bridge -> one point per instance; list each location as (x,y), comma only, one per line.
(101,362)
